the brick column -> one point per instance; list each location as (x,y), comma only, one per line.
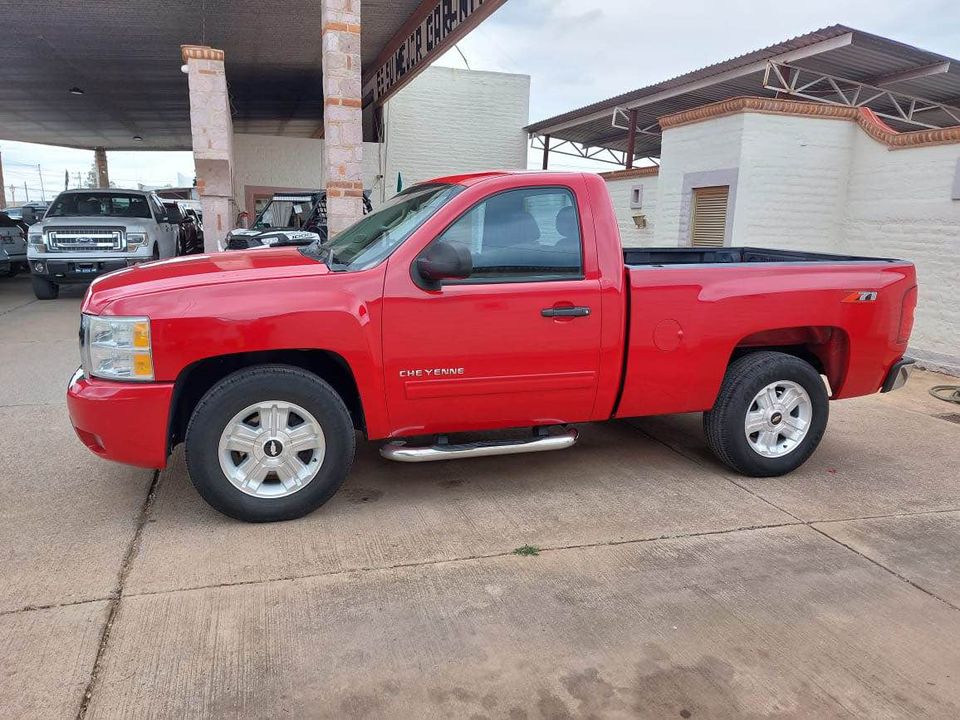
(212,130)
(100,161)
(342,114)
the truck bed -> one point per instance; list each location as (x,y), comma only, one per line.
(657,257)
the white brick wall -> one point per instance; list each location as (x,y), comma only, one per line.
(899,205)
(620,193)
(824,185)
(691,149)
(793,176)
(445,121)
(450,121)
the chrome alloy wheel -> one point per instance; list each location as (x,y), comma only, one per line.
(778,419)
(271,449)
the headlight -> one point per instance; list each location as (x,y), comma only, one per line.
(116,348)
(35,240)
(136,240)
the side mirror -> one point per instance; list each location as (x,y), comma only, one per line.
(443,261)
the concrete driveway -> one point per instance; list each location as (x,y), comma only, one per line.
(665,586)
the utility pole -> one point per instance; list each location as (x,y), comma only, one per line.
(3,197)
(43,194)
(26,192)
(13,193)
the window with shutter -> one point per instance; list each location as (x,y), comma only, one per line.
(709,216)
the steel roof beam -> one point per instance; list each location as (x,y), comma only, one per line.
(732,74)
(911,74)
(906,107)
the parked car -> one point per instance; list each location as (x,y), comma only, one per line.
(13,240)
(86,233)
(29,213)
(189,240)
(474,303)
(197,215)
(4,263)
(288,219)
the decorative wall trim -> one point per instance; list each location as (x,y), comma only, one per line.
(864,117)
(200,52)
(651,171)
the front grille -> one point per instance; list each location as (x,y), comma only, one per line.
(83,239)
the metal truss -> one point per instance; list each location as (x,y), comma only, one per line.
(575,149)
(618,112)
(811,85)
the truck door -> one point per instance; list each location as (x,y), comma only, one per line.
(515,344)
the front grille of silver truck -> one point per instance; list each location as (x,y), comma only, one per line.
(86,239)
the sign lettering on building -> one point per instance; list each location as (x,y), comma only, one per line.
(446,16)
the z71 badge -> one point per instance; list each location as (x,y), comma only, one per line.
(858,296)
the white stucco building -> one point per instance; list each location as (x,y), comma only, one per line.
(831,174)
(799,177)
(432,127)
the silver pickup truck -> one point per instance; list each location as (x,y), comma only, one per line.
(87,233)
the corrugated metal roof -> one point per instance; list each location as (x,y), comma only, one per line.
(845,52)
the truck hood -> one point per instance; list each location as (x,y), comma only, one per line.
(181,273)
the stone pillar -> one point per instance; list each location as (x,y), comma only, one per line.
(342,113)
(100,160)
(212,130)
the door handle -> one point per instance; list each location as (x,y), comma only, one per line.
(572,312)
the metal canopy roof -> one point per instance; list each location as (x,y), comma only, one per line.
(125,56)
(846,54)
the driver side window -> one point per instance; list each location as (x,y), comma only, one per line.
(531,234)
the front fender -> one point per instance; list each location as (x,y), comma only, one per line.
(340,313)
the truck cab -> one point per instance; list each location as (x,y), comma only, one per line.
(87,233)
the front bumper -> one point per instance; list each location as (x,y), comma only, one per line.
(898,375)
(121,421)
(74,270)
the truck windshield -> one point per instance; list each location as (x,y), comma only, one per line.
(283,213)
(99,204)
(367,242)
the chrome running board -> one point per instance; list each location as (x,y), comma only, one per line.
(401,452)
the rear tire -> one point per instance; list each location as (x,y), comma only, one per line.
(778,396)
(214,425)
(44,289)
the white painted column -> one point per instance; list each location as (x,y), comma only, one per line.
(342,112)
(212,130)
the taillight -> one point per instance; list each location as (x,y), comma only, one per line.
(906,315)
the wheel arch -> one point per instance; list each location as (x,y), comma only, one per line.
(196,379)
(826,348)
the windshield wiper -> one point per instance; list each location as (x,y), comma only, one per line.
(325,250)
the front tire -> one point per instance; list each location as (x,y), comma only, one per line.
(770,414)
(269,443)
(44,289)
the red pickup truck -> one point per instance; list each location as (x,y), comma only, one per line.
(471,304)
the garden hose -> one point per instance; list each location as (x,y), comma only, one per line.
(948,393)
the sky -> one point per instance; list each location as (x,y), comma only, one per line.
(576,52)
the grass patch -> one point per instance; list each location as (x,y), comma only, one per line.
(527,550)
